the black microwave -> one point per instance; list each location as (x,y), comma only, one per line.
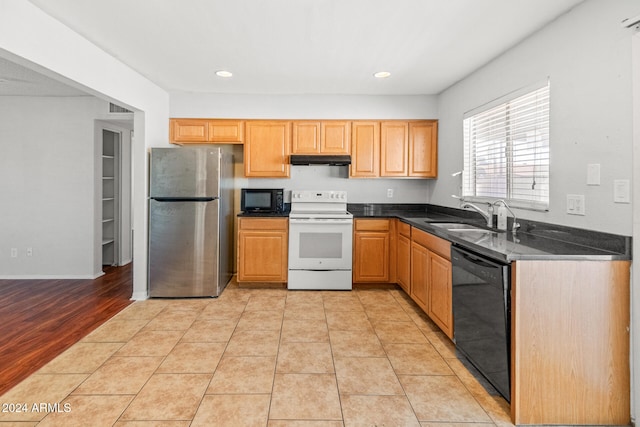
(262,200)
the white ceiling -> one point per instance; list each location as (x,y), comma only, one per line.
(305,46)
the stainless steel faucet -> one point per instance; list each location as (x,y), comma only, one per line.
(488,216)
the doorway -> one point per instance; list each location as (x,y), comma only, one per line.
(110,198)
(116,248)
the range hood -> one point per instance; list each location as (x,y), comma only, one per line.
(320,159)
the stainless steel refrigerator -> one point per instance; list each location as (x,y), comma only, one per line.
(190,221)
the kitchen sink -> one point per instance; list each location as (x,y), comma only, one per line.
(457,227)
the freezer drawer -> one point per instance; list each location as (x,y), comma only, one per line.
(183,248)
(191,172)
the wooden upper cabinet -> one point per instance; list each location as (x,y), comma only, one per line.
(315,137)
(188,130)
(306,138)
(365,149)
(266,148)
(202,131)
(423,149)
(335,137)
(231,131)
(409,149)
(394,148)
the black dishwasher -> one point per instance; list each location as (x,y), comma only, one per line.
(481,315)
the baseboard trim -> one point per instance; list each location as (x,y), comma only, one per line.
(139,296)
(50,277)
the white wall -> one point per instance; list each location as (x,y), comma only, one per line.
(47,167)
(32,38)
(302,106)
(586,55)
(328,107)
(635,288)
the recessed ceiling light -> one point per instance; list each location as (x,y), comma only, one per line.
(224,73)
(382,74)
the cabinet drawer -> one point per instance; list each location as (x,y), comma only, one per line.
(371,225)
(435,244)
(263,224)
(404,229)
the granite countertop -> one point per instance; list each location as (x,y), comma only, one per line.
(533,241)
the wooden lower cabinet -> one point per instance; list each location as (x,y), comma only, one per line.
(570,342)
(403,256)
(420,275)
(430,282)
(371,250)
(262,249)
(440,298)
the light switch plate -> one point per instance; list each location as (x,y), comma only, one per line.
(621,192)
(575,204)
(593,174)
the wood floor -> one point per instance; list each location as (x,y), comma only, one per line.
(39,319)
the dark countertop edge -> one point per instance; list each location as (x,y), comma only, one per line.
(616,247)
(408,212)
(263,215)
(508,257)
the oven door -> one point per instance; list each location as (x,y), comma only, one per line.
(320,243)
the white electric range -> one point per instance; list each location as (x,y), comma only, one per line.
(320,241)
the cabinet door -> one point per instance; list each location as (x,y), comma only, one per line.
(365,149)
(335,137)
(266,150)
(371,258)
(306,138)
(188,130)
(262,250)
(394,144)
(423,149)
(230,131)
(403,263)
(420,275)
(440,308)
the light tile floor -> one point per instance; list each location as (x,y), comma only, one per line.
(260,357)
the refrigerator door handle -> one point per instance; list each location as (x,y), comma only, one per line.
(184,199)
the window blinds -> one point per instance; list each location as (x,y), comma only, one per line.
(506,151)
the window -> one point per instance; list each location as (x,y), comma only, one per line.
(506,150)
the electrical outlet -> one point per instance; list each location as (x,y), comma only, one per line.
(575,204)
(29,251)
(14,252)
(390,192)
